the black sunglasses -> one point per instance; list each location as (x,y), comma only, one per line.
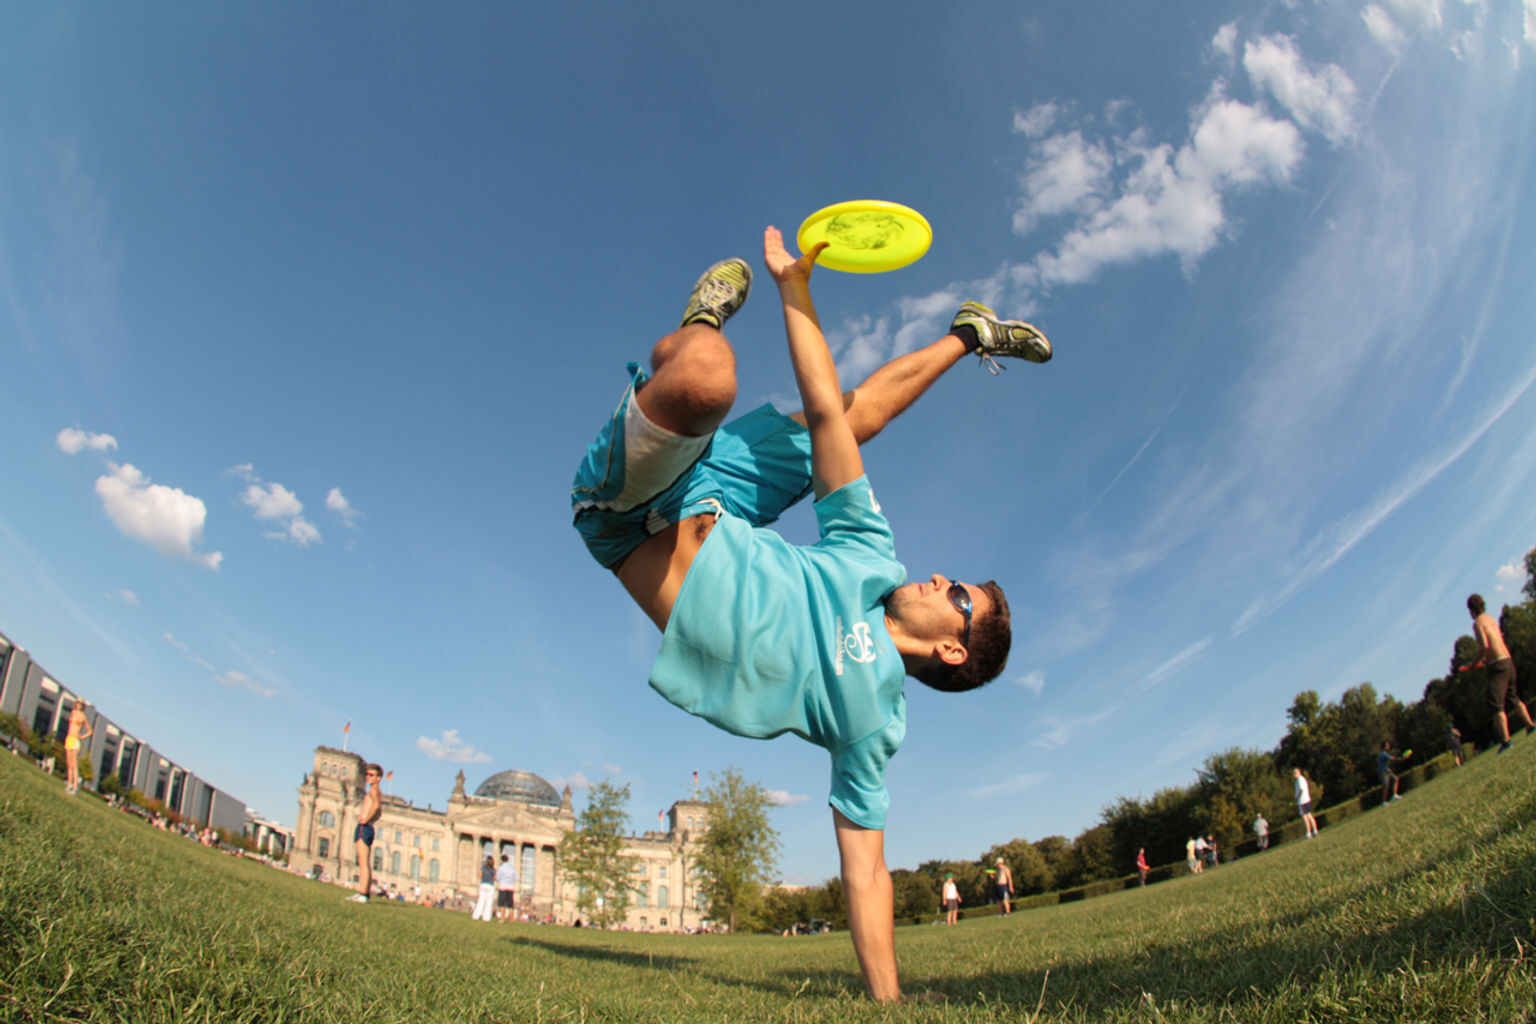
(961,599)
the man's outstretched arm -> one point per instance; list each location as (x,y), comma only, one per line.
(871,905)
(835,458)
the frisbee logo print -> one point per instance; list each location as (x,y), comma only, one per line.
(865,230)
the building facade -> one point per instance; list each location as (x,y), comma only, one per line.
(514,813)
(43,704)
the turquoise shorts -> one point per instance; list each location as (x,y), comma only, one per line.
(755,467)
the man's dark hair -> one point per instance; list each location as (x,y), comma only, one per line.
(378,769)
(1475,604)
(991,639)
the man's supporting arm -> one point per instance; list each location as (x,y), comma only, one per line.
(871,905)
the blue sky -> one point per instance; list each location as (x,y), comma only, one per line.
(307,312)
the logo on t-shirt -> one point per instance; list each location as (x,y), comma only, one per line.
(857,643)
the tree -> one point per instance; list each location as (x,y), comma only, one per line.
(593,855)
(111,785)
(1061,860)
(1233,787)
(1530,575)
(915,895)
(1031,874)
(738,850)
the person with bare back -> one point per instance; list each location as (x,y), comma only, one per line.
(79,731)
(1493,654)
(761,637)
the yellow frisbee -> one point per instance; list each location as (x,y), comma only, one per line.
(866,236)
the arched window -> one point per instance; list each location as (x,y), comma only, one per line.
(394,863)
(432,870)
(378,858)
(661,871)
(661,896)
(643,896)
(416,841)
(326,818)
(415,866)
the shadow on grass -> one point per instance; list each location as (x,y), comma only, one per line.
(623,957)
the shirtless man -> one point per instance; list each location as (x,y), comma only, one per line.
(1003,883)
(761,637)
(77,722)
(1492,654)
(373,806)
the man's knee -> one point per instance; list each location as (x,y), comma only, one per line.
(693,383)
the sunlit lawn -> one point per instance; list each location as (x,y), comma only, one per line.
(1422,911)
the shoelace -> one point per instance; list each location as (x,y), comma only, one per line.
(993,366)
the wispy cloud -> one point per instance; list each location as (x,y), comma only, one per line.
(272,502)
(337,502)
(1033,681)
(450,747)
(1175,664)
(784,798)
(240,681)
(128,597)
(1009,786)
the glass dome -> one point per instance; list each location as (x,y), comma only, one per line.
(524,787)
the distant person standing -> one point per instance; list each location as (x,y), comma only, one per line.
(1384,772)
(485,906)
(951,899)
(1304,802)
(1453,744)
(506,889)
(362,836)
(1201,854)
(1261,829)
(1003,886)
(72,740)
(1211,858)
(1141,865)
(1190,858)
(1492,653)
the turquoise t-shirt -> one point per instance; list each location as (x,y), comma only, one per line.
(767,637)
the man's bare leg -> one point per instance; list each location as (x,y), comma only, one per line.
(364,867)
(693,381)
(890,390)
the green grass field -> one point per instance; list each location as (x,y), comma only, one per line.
(1422,911)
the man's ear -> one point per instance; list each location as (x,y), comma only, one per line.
(950,652)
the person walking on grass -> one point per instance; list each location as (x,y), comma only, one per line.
(1141,866)
(362,836)
(1384,772)
(1453,744)
(1304,802)
(1493,654)
(1003,886)
(761,637)
(951,899)
(506,889)
(1261,829)
(79,731)
(1191,856)
(485,906)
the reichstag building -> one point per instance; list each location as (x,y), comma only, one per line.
(512,812)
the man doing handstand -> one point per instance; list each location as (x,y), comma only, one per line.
(761,637)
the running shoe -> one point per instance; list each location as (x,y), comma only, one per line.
(719,293)
(357,898)
(1014,339)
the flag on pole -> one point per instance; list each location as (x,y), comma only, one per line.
(344,737)
(659,816)
(348,726)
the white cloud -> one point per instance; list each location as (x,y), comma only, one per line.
(1225,40)
(179,645)
(1066,174)
(1037,120)
(1383,29)
(337,502)
(166,518)
(1530,23)
(783,798)
(71,441)
(1423,15)
(450,747)
(1170,201)
(1323,101)
(1009,786)
(240,681)
(576,780)
(275,502)
(1033,681)
(128,597)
